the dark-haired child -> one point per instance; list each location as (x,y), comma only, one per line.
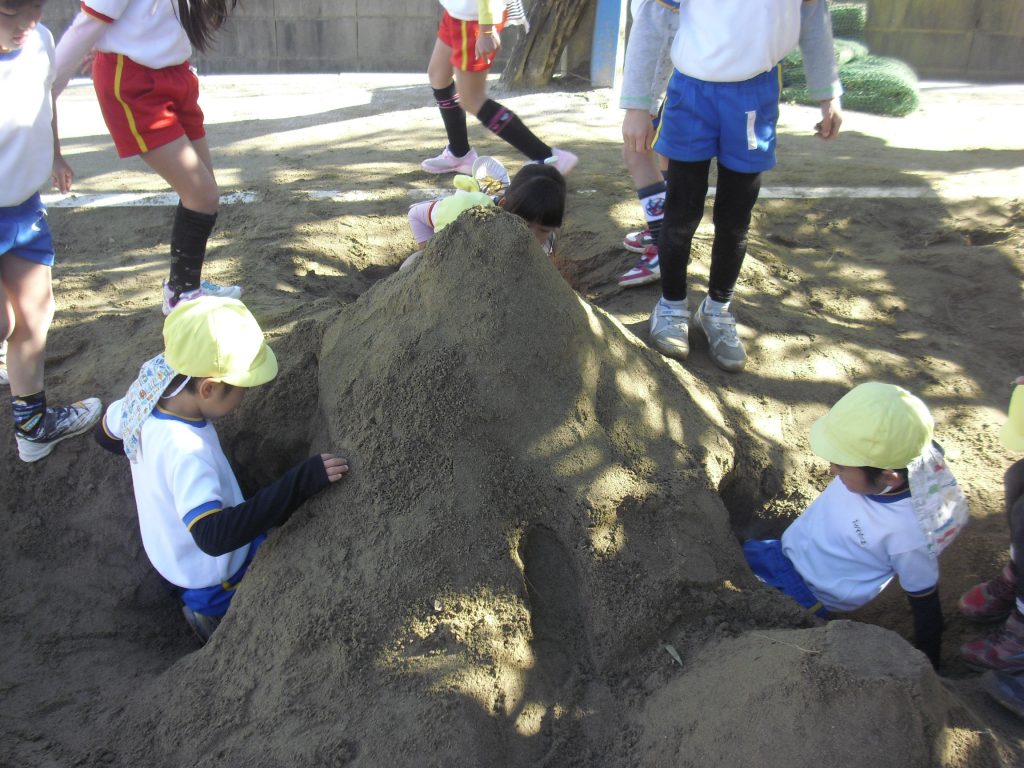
(535,194)
(148,94)
(198,530)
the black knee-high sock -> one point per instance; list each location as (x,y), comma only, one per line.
(684,208)
(735,196)
(188,248)
(507,126)
(454,118)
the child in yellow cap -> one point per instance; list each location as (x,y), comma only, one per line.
(198,530)
(891,508)
(1003,597)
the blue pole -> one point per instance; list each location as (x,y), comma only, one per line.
(607,49)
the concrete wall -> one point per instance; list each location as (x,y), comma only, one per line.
(951,39)
(311,35)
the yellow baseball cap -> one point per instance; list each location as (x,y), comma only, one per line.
(873,425)
(219,339)
(1012,433)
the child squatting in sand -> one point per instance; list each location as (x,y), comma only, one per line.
(892,507)
(198,530)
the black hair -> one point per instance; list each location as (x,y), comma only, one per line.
(873,473)
(202,18)
(15,5)
(537,194)
(191,385)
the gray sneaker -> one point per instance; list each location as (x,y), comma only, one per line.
(670,331)
(59,424)
(725,346)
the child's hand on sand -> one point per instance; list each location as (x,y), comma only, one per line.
(335,466)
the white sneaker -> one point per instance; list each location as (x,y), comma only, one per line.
(4,381)
(59,423)
(206,288)
(562,159)
(723,343)
(670,331)
(446,162)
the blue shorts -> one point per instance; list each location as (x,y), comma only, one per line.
(214,601)
(770,564)
(734,122)
(24,232)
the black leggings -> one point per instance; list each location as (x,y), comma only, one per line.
(1013,485)
(684,208)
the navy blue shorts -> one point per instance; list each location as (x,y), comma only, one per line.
(214,601)
(734,122)
(770,564)
(24,232)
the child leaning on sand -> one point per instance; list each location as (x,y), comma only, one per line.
(199,532)
(892,507)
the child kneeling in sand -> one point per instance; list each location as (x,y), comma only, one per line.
(536,194)
(199,532)
(891,509)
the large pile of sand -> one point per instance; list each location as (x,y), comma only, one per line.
(527,525)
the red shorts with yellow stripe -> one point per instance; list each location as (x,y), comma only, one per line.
(461,36)
(146,108)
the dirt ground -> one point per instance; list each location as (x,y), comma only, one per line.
(915,279)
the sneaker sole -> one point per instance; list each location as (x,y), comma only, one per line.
(42,450)
(635,281)
(986,619)
(633,248)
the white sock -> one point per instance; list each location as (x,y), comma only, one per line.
(681,304)
(1020,606)
(712,307)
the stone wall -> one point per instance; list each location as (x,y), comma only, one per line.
(951,39)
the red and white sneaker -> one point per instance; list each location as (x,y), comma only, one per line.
(446,162)
(992,600)
(1002,650)
(638,242)
(647,270)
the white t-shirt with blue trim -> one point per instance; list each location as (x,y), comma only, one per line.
(848,547)
(181,476)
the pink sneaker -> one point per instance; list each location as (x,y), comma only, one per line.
(1003,650)
(992,600)
(205,288)
(562,159)
(647,269)
(637,242)
(446,162)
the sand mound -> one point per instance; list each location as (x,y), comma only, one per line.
(528,522)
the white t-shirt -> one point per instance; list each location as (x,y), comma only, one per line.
(181,476)
(468,10)
(146,31)
(848,547)
(729,41)
(26,116)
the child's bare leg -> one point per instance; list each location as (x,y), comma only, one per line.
(27,296)
(502,122)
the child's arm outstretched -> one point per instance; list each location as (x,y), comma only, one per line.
(928,623)
(225,530)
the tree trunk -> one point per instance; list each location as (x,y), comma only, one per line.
(535,55)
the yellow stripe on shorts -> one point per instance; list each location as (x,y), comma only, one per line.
(464,65)
(127,110)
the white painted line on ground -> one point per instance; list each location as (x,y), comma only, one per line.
(140,199)
(133,199)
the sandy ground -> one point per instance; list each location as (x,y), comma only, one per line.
(893,253)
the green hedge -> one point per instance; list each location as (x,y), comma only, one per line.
(848,20)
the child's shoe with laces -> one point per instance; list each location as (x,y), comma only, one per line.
(638,242)
(720,329)
(992,600)
(1003,650)
(59,423)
